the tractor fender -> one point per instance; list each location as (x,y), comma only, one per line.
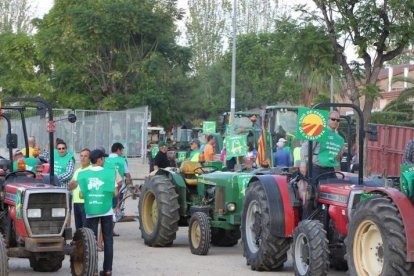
(406,210)
(282,214)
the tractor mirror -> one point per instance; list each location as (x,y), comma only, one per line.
(11,140)
(72,118)
(372,133)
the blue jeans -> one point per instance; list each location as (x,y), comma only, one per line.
(106,225)
(79,214)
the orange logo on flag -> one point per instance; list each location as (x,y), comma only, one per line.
(312,125)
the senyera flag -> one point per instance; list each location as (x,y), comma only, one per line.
(312,124)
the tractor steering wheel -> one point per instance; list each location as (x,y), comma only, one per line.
(202,169)
(20,173)
(329,173)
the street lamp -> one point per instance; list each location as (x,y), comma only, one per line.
(233,72)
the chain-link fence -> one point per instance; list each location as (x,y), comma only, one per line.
(93,128)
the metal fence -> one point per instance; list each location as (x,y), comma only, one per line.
(93,128)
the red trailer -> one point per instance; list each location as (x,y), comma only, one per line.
(385,154)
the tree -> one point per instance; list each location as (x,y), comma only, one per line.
(205,31)
(20,67)
(15,16)
(114,54)
(257,16)
(380,31)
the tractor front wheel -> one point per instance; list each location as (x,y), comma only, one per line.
(4,261)
(199,233)
(158,212)
(84,256)
(46,262)
(310,249)
(376,242)
(262,250)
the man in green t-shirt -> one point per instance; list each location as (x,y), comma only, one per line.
(78,203)
(326,155)
(195,150)
(98,187)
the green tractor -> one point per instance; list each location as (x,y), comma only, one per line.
(207,200)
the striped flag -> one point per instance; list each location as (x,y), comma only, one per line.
(261,148)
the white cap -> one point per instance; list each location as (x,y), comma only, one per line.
(282,140)
(280,144)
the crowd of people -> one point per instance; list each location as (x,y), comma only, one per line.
(95,187)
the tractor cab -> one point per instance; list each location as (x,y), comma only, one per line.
(34,211)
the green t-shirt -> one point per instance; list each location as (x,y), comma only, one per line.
(98,188)
(195,155)
(116,162)
(61,162)
(31,163)
(329,149)
(76,198)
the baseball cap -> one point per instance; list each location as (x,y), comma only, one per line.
(101,148)
(17,152)
(161,144)
(96,154)
(282,140)
(195,141)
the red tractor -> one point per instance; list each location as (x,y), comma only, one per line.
(34,210)
(345,222)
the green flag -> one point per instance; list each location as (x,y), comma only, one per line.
(236,146)
(181,156)
(312,124)
(209,127)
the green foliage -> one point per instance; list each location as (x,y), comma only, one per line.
(114,54)
(392,118)
(20,72)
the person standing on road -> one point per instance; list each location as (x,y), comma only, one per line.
(161,159)
(64,165)
(326,155)
(78,203)
(282,156)
(98,187)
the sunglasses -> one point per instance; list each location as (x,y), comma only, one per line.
(335,120)
(61,148)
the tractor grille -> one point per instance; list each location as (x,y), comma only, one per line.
(46,224)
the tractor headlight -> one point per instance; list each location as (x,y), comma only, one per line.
(58,212)
(34,213)
(231,207)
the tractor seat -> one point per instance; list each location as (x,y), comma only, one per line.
(187,169)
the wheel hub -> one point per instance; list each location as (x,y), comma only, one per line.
(368,249)
(302,254)
(253,226)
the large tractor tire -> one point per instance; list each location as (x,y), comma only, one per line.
(310,249)
(225,238)
(376,242)
(158,212)
(84,256)
(199,233)
(262,250)
(46,262)
(4,261)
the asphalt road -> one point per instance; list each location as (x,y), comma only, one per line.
(132,257)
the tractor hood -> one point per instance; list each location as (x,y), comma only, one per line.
(11,189)
(232,180)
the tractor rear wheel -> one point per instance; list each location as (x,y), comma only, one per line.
(84,257)
(4,261)
(223,237)
(310,249)
(376,242)
(158,212)
(46,262)
(262,250)
(199,233)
